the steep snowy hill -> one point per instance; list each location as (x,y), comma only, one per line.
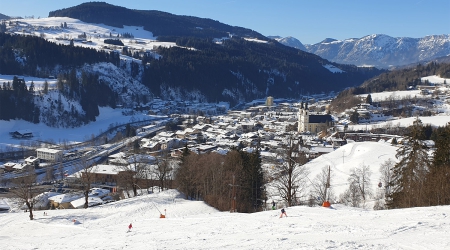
(378,50)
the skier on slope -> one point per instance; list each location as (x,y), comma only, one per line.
(283,212)
(130,227)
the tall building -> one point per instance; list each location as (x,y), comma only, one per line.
(312,123)
(269,101)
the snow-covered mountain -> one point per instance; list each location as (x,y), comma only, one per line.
(65,30)
(291,42)
(379,50)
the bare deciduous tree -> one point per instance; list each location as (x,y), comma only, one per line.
(61,170)
(85,176)
(386,178)
(360,177)
(49,173)
(321,185)
(359,187)
(131,174)
(25,190)
(290,180)
(163,169)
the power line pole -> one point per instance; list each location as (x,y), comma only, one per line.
(233,196)
(327,185)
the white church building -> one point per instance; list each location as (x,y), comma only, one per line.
(313,123)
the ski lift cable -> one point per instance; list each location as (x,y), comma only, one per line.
(156,207)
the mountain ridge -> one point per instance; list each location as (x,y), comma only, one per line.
(2,16)
(380,50)
(242,64)
(159,22)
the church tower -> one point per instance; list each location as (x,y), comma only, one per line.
(303,118)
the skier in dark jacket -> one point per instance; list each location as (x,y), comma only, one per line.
(283,212)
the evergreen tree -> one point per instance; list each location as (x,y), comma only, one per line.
(369,99)
(3,27)
(31,88)
(185,152)
(441,156)
(410,172)
(438,179)
(45,87)
(394,141)
(354,117)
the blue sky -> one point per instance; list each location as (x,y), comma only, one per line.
(309,21)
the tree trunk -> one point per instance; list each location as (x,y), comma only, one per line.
(86,197)
(30,208)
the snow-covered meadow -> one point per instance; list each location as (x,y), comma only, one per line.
(42,132)
(195,225)
(50,29)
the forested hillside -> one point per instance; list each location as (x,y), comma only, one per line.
(158,22)
(404,78)
(240,66)
(3,16)
(401,79)
(35,56)
(239,70)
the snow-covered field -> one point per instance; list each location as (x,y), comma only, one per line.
(435,121)
(407,94)
(194,225)
(42,132)
(50,29)
(350,156)
(38,82)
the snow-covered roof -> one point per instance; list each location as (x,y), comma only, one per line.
(99,192)
(117,155)
(63,198)
(92,201)
(105,169)
(48,150)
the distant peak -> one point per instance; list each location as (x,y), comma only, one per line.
(373,36)
(328,40)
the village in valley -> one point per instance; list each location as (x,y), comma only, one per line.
(152,150)
(224,125)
